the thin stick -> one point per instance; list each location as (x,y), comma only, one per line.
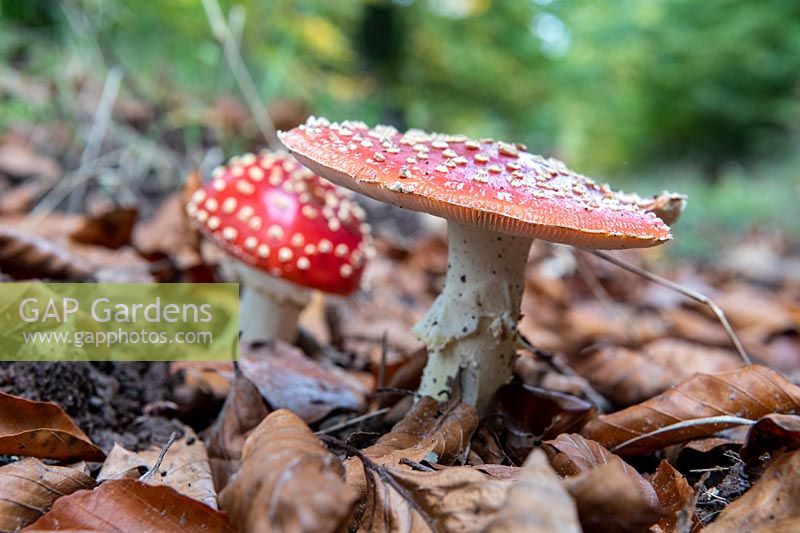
(384,474)
(353,421)
(725,419)
(689,293)
(97,133)
(150,473)
(233,57)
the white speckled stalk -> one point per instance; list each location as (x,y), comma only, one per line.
(270,306)
(470,330)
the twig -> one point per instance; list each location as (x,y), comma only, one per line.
(725,419)
(150,473)
(684,524)
(353,421)
(415,465)
(384,474)
(395,390)
(97,133)
(233,57)
(689,293)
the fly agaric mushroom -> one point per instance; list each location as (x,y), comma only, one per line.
(289,231)
(497,198)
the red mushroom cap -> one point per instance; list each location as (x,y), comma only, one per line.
(277,216)
(494,185)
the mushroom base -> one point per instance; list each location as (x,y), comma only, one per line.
(471,329)
(270,306)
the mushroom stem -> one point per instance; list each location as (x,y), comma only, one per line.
(270,306)
(470,331)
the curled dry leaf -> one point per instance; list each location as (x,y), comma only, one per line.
(749,392)
(572,455)
(537,502)
(287,379)
(288,481)
(424,433)
(185,467)
(610,500)
(540,412)
(770,506)
(42,429)
(242,412)
(25,256)
(772,433)
(28,489)
(110,229)
(674,494)
(457,498)
(632,376)
(127,505)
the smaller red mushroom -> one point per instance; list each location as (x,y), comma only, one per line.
(288,231)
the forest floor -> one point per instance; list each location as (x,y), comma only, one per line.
(629,409)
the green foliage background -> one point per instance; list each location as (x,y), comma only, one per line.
(682,90)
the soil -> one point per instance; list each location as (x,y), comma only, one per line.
(106,400)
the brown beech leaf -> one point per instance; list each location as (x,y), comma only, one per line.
(25,256)
(769,506)
(540,412)
(287,379)
(610,500)
(169,232)
(112,228)
(457,498)
(288,481)
(242,412)
(571,455)
(772,433)
(632,376)
(126,505)
(427,429)
(185,467)
(430,430)
(674,494)
(537,502)
(749,392)
(42,429)
(28,489)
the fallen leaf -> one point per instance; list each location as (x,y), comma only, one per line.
(288,481)
(111,229)
(610,500)
(539,412)
(42,429)
(674,494)
(749,392)
(425,429)
(426,432)
(537,502)
(28,489)
(169,232)
(24,256)
(126,505)
(631,376)
(770,506)
(287,379)
(770,434)
(185,467)
(457,498)
(18,161)
(242,412)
